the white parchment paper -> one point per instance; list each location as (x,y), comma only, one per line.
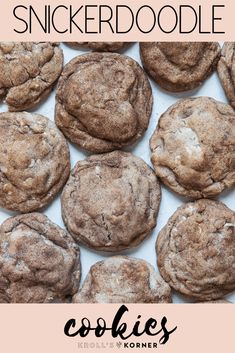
(170,201)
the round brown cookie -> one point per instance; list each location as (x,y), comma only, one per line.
(226,71)
(179,66)
(196,250)
(193,147)
(34,161)
(104,101)
(99,46)
(39,261)
(111,201)
(28,71)
(121,279)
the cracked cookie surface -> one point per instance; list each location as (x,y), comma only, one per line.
(226,71)
(28,71)
(196,250)
(39,261)
(193,147)
(104,101)
(111,201)
(34,161)
(179,66)
(121,279)
(99,46)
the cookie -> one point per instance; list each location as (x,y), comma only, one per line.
(99,46)
(196,250)
(104,101)
(111,201)
(121,279)
(226,71)
(28,71)
(39,261)
(179,66)
(193,147)
(34,161)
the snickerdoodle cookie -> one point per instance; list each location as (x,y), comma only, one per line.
(179,66)
(28,71)
(196,250)
(226,70)
(104,101)
(39,261)
(34,161)
(193,147)
(99,46)
(111,201)
(121,279)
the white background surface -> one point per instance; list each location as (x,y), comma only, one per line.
(170,201)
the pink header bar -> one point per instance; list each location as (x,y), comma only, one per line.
(115,20)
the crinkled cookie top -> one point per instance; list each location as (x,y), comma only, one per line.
(39,262)
(196,250)
(27,72)
(193,147)
(111,201)
(34,161)
(179,66)
(104,101)
(121,279)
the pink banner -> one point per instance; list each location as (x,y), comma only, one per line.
(115,20)
(168,328)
